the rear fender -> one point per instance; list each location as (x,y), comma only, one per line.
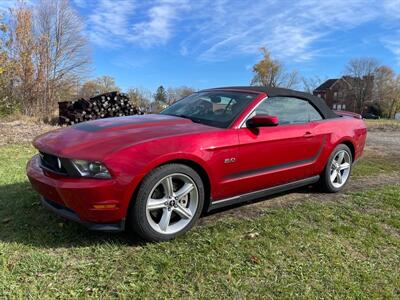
(344,113)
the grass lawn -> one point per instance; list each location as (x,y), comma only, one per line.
(383,123)
(345,249)
(372,163)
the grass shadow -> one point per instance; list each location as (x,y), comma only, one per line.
(23,220)
(302,190)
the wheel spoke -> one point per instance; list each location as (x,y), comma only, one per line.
(344,166)
(168,186)
(183,212)
(172,203)
(165,219)
(184,190)
(340,168)
(334,175)
(340,157)
(153,204)
(339,177)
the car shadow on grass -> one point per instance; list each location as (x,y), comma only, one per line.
(309,190)
(23,220)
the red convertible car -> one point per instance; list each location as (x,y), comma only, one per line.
(157,173)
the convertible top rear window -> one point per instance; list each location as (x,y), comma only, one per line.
(214,108)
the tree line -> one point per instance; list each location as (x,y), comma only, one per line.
(383,91)
(45,59)
(43,54)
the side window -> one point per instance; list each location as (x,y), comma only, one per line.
(288,110)
(314,115)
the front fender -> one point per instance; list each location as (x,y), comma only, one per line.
(133,164)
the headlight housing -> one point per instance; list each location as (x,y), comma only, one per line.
(93,169)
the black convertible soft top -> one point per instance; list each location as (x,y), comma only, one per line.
(317,102)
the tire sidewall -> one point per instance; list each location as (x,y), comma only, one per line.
(139,222)
(327,173)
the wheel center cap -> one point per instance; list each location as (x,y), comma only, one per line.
(172,202)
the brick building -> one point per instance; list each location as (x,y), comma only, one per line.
(340,93)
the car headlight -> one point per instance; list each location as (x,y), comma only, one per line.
(92,169)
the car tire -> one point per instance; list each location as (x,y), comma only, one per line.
(168,203)
(337,170)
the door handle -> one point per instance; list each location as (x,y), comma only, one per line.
(308,134)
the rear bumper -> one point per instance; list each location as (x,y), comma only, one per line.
(69,214)
(91,202)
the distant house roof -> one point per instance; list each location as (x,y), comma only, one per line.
(326,85)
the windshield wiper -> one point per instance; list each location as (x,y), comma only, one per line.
(185,117)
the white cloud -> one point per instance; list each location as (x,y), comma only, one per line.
(7,4)
(392,43)
(392,7)
(158,27)
(109,22)
(288,28)
(80,3)
(134,21)
(392,40)
(220,29)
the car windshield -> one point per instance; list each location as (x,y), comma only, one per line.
(214,108)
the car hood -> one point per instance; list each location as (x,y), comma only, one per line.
(96,139)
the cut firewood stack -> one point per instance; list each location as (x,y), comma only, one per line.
(106,105)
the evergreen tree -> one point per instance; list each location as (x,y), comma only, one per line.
(161,95)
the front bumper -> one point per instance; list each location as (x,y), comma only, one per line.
(69,214)
(95,203)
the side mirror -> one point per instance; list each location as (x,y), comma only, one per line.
(262,121)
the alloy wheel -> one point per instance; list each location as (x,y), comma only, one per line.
(172,203)
(340,168)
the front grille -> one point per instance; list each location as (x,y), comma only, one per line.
(52,163)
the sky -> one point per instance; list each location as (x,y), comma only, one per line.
(209,43)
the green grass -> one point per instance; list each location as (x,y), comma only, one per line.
(372,163)
(345,249)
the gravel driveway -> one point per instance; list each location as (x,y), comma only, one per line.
(385,141)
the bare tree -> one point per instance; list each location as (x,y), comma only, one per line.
(100,85)
(175,94)
(311,83)
(387,90)
(362,72)
(395,101)
(106,84)
(88,89)
(138,98)
(62,47)
(271,72)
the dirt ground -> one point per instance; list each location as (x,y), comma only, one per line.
(21,132)
(387,142)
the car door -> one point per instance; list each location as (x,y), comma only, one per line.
(270,156)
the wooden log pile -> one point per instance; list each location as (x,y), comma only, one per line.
(113,104)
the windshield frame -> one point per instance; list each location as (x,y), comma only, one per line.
(215,123)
